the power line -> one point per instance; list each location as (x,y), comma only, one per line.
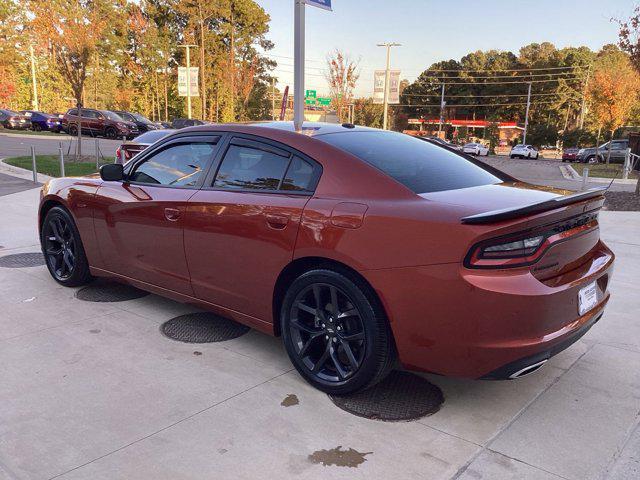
(477,96)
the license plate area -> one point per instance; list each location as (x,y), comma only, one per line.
(587,298)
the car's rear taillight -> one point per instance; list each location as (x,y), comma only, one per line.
(525,248)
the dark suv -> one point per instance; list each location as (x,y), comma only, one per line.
(98,123)
(142,122)
(618,152)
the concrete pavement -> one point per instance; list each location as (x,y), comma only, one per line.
(95,391)
(17,145)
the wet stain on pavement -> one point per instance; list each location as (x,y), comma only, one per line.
(340,458)
(290,400)
(197,353)
(95,330)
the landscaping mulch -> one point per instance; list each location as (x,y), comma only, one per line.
(622,202)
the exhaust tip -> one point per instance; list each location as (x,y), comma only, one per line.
(529,369)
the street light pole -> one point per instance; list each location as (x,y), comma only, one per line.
(188,78)
(584,98)
(441,111)
(298,53)
(33,79)
(387,75)
(526,116)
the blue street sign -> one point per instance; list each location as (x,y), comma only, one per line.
(326,4)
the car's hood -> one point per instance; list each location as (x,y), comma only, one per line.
(474,200)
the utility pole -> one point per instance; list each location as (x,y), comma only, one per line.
(299,54)
(387,75)
(442,104)
(188,78)
(33,78)
(584,98)
(526,116)
(273,98)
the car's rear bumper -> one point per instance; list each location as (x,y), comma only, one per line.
(454,321)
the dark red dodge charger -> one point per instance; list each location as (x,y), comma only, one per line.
(357,246)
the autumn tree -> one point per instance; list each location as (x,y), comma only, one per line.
(613,91)
(342,75)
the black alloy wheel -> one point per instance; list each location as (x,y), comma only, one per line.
(63,250)
(73,131)
(111,133)
(335,335)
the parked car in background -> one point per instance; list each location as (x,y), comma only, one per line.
(475,148)
(43,121)
(98,123)
(570,154)
(524,151)
(142,122)
(138,144)
(442,142)
(186,122)
(14,120)
(472,273)
(618,152)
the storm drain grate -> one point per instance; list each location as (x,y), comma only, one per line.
(202,327)
(402,396)
(22,260)
(102,291)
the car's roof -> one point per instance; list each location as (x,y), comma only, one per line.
(309,129)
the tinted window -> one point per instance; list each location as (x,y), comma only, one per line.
(179,165)
(125,116)
(250,168)
(72,112)
(112,116)
(420,166)
(299,176)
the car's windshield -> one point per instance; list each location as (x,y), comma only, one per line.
(421,166)
(140,118)
(112,116)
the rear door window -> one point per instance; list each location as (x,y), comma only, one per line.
(250,167)
(420,166)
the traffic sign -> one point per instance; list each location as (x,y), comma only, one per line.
(324,101)
(309,101)
(310,94)
(326,4)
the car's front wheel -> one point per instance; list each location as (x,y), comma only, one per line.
(335,332)
(63,250)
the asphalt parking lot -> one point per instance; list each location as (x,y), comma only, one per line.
(95,391)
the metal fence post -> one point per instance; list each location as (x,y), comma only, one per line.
(585,177)
(97,154)
(61,160)
(627,164)
(33,164)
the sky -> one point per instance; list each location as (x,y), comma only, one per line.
(433,30)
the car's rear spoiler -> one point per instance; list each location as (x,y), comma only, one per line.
(514,212)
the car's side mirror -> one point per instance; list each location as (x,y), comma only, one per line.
(112,172)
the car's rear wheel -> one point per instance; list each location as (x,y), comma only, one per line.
(63,250)
(335,332)
(73,131)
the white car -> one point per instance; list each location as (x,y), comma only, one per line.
(477,149)
(524,151)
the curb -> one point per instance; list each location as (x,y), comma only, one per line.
(21,172)
(570,173)
(61,137)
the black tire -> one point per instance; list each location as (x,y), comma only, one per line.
(110,133)
(512,157)
(37,127)
(63,250)
(73,131)
(315,338)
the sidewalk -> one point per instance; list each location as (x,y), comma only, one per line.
(95,391)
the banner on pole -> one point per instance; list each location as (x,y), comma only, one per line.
(326,4)
(182,81)
(285,100)
(394,87)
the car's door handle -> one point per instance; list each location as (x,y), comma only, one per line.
(277,221)
(172,214)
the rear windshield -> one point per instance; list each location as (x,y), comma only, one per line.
(420,166)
